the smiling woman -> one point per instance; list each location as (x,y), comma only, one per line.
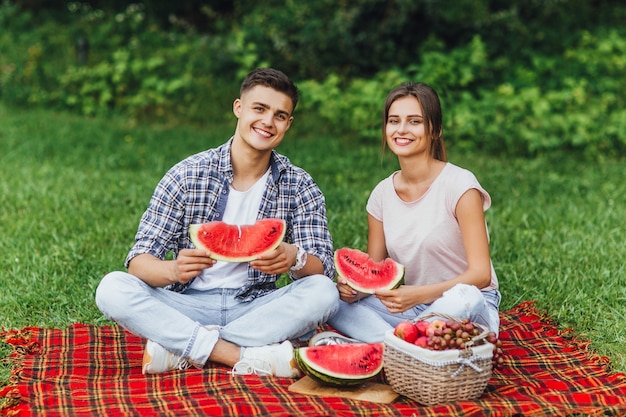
(429,217)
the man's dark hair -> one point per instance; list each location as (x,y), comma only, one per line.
(273,78)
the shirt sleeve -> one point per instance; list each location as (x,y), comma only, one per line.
(161,223)
(310,225)
(464,181)
(374,204)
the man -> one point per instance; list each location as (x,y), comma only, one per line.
(193,309)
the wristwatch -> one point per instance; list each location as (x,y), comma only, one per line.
(300,260)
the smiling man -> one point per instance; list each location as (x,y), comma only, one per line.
(194,310)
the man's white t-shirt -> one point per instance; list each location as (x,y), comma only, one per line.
(242,208)
(424,235)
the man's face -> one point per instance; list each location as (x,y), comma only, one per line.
(264,117)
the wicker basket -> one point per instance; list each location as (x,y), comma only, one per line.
(435,377)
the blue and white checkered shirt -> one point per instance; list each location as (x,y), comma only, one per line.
(195,191)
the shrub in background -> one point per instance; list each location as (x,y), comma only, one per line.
(570,102)
(132,67)
(516,102)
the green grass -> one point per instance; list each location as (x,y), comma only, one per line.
(72,191)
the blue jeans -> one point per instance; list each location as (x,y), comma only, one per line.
(368,319)
(176,320)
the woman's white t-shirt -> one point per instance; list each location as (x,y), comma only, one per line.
(424,235)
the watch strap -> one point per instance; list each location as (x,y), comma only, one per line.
(300,259)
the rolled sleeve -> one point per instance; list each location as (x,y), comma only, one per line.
(310,226)
(161,223)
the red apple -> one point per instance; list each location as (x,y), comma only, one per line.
(422,327)
(422,342)
(435,327)
(406,331)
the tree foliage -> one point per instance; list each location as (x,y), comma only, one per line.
(516,76)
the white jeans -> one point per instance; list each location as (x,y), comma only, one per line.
(176,320)
(368,319)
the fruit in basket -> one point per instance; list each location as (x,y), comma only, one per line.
(366,275)
(498,353)
(406,331)
(422,342)
(235,243)
(452,334)
(422,327)
(435,327)
(341,365)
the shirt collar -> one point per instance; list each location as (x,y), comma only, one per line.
(278,163)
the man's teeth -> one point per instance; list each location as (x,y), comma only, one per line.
(263,133)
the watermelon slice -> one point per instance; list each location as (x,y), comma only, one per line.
(366,275)
(341,365)
(234,243)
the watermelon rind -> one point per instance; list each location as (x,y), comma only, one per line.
(362,361)
(366,275)
(230,254)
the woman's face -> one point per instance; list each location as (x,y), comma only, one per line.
(405,129)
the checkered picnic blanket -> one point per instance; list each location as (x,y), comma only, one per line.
(86,370)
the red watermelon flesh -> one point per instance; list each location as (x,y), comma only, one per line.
(366,275)
(341,365)
(235,243)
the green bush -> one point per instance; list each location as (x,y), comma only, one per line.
(355,108)
(523,101)
(570,102)
(132,67)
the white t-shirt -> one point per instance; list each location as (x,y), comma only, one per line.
(242,208)
(424,235)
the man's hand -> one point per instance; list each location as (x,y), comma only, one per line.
(277,261)
(190,263)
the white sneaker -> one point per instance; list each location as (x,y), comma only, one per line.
(274,360)
(330,338)
(156,359)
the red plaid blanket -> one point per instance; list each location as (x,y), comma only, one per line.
(86,370)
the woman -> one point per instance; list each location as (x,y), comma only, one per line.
(429,216)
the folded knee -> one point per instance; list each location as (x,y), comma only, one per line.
(325,291)
(110,291)
(468,295)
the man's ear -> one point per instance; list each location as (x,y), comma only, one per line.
(237,107)
(290,122)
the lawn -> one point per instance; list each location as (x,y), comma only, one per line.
(72,191)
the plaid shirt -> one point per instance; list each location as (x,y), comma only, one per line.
(196,190)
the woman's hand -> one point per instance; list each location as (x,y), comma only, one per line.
(347,293)
(397,300)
